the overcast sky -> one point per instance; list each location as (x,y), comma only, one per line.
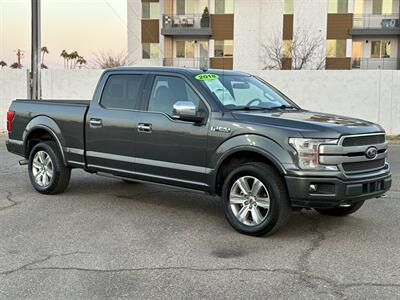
(86,26)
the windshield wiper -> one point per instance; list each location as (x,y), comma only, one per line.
(249,108)
(283,107)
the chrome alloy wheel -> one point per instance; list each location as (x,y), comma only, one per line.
(249,200)
(42,168)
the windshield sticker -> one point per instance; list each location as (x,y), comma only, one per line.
(206,77)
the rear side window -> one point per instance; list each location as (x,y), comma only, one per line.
(122,91)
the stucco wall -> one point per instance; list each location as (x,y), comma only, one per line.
(13,84)
(370,95)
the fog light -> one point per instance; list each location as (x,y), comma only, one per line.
(313,188)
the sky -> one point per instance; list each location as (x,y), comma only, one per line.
(86,26)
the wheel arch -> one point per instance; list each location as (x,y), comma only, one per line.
(264,150)
(40,129)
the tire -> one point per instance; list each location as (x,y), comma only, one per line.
(60,174)
(272,200)
(340,211)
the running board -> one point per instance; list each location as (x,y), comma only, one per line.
(102,174)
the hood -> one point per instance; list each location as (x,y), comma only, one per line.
(309,124)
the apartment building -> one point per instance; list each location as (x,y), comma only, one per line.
(265,34)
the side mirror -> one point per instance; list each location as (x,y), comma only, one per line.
(186,111)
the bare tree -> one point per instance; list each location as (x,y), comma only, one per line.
(304,51)
(105,60)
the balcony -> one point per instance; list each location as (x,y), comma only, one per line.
(225,63)
(376,63)
(195,63)
(187,25)
(369,24)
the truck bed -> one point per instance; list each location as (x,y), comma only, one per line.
(66,116)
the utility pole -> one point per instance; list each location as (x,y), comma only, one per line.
(35,50)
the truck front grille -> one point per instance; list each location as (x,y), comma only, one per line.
(350,153)
(363,140)
(363,166)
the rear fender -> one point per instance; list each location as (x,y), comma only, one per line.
(50,126)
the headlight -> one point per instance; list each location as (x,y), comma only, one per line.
(308,153)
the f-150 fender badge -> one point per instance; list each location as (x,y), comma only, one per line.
(220,129)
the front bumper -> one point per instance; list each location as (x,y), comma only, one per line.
(333,191)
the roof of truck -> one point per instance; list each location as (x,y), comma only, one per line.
(184,71)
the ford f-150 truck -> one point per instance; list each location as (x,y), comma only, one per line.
(222,132)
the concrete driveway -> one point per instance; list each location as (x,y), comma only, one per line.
(104,239)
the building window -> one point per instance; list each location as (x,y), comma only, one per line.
(289,7)
(338,6)
(380,7)
(287,48)
(223,48)
(150,10)
(185,49)
(184,7)
(381,49)
(336,48)
(150,50)
(224,6)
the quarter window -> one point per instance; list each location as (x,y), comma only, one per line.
(167,90)
(122,91)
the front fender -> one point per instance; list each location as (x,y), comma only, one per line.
(271,150)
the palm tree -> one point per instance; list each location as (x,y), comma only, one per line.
(73,56)
(44,51)
(81,61)
(64,54)
(3,64)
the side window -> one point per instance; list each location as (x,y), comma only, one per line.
(122,91)
(167,91)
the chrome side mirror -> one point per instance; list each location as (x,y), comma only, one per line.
(186,111)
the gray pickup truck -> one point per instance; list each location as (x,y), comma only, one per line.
(225,133)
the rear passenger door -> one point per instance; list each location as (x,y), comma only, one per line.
(170,150)
(111,124)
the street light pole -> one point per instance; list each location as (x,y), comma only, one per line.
(35,50)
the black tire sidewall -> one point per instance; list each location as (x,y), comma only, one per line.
(269,179)
(56,167)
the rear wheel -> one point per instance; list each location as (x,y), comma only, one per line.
(47,171)
(340,211)
(255,199)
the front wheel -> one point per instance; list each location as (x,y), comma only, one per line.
(340,211)
(255,199)
(47,171)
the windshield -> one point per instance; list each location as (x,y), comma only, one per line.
(246,92)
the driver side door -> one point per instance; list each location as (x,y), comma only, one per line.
(168,150)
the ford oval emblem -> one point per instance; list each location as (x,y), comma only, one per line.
(371,153)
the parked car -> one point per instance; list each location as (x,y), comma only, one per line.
(226,133)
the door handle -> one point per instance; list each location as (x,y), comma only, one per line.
(95,122)
(142,127)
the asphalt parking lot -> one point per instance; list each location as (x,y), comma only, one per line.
(104,239)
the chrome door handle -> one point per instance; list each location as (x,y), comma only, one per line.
(95,122)
(147,128)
